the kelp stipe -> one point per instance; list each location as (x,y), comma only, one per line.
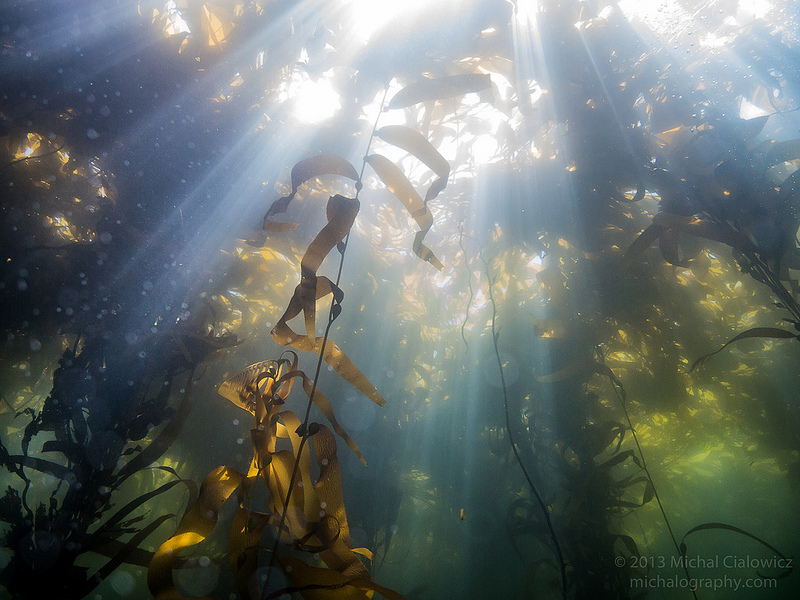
(545,511)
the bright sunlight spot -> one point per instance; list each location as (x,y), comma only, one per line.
(314,101)
(371,16)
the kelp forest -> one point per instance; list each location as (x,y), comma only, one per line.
(359,299)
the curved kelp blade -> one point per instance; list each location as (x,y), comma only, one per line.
(316,583)
(242,388)
(278,476)
(333,356)
(333,530)
(401,187)
(724,526)
(323,404)
(756,332)
(195,526)
(324,164)
(314,166)
(440,88)
(341,213)
(415,143)
(329,483)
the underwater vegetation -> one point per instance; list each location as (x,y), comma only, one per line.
(502,297)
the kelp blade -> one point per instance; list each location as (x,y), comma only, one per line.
(308,168)
(415,143)
(440,88)
(755,332)
(324,164)
(401,187)
(195,526)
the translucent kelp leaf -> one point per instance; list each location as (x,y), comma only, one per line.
(314,166)
(216,22)
(401,187)
(415,143)
(195,526)
(440,89)
(242,388)
(333,356)
(329,483)
(755,332)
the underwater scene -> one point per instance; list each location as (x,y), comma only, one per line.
(467,299)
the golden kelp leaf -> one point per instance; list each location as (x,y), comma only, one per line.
(292,422)
(341,213)
(415,143)
(195,526)
(216,22)
(440,89)
(323,404)
(278,476)
(285,336)
(755,332)
(314,166)
(329,482)
(242,388)
(401,187)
